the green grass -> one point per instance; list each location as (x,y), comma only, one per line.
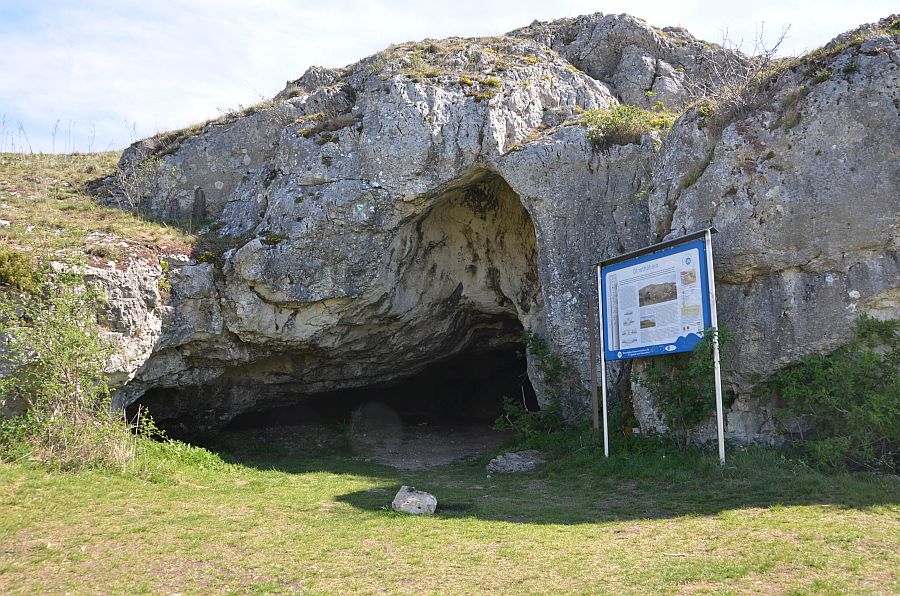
(44,200)
(272,520)
(625,124)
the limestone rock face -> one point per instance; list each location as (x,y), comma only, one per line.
(442,196)
(805,194)
(640,64)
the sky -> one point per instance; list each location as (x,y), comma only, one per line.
(95,75)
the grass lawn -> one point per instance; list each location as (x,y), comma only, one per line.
(265,519)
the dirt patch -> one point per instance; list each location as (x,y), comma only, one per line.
(384,441)
(425,445)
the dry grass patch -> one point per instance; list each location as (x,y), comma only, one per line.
(43,199)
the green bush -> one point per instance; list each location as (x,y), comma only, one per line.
(55,354)
(625,124)
(684,385)
(849,400)
(17,270)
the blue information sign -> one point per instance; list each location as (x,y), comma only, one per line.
(655,303)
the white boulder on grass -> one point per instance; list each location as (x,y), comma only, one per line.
(416,502)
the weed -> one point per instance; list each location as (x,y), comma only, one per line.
(327,137)
(139,178)
(551,417)
(56,356)
(103,251)
(790,120)
(706,109)
(164,284)
(793,97)
(821,76)
(376,66)
(625,124)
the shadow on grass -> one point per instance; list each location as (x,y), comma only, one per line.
(642,480)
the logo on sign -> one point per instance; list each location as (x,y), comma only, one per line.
(619,354)
(670,348)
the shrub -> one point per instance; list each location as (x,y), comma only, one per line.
(849,401)
(625,124)
(821,76)
(684,385)
(56,356)
(17,270)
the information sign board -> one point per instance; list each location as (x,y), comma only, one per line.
(656,303)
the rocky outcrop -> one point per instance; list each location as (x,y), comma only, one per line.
(442,196)
(640,64)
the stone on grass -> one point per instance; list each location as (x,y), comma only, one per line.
(511,463)
(416,502)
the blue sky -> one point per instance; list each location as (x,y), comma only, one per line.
(113,71)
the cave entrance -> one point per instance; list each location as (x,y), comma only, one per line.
(466,389)
(437,342)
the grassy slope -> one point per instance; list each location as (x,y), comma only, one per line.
(43,198)
(317,520)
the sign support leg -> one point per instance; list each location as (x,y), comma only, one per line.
(592,331)
(720,410)
(605,413)
(602,366)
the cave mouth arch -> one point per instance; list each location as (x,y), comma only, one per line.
(442,343)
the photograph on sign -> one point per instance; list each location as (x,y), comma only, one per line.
(656,303)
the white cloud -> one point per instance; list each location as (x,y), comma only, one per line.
(165,65)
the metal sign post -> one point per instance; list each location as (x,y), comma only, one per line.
(713,315)
(592,331)
(592,324)
(655,301)
(594,334)
(603,392)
